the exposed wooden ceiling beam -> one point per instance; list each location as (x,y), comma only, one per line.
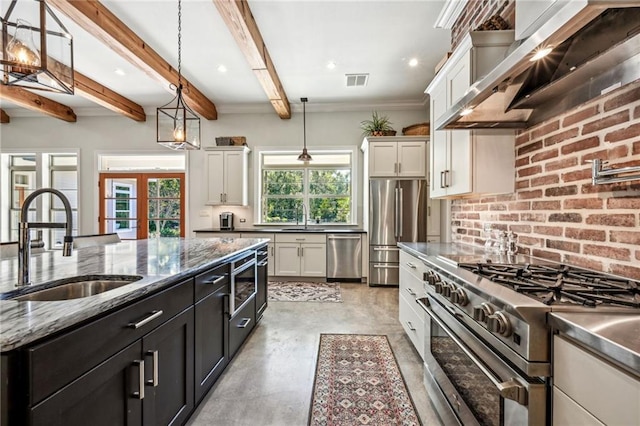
(98,21)
(4,117)
(34,102)
(238,17)
(107,98)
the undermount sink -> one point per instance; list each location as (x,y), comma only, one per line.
(78,287)
(310,229)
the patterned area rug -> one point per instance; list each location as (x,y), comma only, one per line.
(358,382)
(293,291)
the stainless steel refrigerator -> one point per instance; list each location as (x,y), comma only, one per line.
(397,213)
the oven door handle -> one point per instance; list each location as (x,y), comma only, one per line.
(511,389)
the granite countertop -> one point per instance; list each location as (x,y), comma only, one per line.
(292,229)
(614,335)
(161,262)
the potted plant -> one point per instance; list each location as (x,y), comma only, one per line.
(379,125)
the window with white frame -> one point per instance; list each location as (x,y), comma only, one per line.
(23,173)
(322,189)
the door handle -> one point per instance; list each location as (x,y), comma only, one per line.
(411,292)
(154,358)
(221,199)
(245,322)
(447,179)
(395,167)
(218,279)
(301,251)
(140,392)
(442,179)
(396,212)
(401,212)
(411,327)
(399,167)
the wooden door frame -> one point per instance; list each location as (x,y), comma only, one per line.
(142,198)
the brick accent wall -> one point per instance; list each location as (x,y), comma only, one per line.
(478,11)
(556,211)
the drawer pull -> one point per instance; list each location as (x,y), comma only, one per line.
(245,322)
(140,392)
(262,253)
(154,381)
(263,263)
(153,315)
(386,249)
(217,280)
(300,239)
(411,265)
(385,266)
(411,327)
(410,291)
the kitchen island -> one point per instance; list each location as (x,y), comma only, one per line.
(89,352)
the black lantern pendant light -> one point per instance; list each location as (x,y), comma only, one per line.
(36,56)
(305,155)
(178,127)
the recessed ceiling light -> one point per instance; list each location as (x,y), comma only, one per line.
(222,68)
(413,62)
(331,65)
(120,71)
(541,53)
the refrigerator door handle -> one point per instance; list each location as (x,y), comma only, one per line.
(400,207)
(396,212)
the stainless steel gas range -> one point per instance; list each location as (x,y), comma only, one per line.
(488,354)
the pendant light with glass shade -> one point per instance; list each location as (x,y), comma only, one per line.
(36,56)
(178,127)
(305,155)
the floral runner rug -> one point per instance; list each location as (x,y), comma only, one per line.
(358,382)
(295,291)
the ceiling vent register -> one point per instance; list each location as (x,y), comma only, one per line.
(357,80)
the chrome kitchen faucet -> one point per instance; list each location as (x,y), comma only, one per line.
(24,238)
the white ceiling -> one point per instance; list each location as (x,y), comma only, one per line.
(365,36)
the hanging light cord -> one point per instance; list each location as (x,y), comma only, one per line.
(180,44)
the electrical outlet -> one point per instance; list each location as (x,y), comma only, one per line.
(243,220)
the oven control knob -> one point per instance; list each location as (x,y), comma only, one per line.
(433,278)
(481,312)
(499,323)
(447,290)
(438,287)
(459,297)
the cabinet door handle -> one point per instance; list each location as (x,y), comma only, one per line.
(245,322)
(154,381)
(217,280)
(221,200)
(447,179)
(140,392)
(411,265)
(301,251)
(399,167)
(272,250)
(395,167)
(411,292)
(442,179)
(153,315)
(411,327)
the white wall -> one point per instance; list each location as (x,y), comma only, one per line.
(91,135)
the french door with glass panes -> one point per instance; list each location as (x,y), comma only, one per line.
(142,205)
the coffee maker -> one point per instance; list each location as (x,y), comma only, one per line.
(226,221)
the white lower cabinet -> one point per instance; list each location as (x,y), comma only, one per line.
(411,315)
(301,255)
(599,392)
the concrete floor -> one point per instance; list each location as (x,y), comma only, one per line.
(270,380)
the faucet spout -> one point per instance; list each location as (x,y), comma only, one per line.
(24,237)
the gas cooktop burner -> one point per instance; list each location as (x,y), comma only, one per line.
(553,284)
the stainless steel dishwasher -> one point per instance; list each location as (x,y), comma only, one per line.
(344,257)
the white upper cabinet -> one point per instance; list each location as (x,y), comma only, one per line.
(227,175)
(397,156)
(468,162)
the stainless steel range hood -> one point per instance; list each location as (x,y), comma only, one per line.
(596,49)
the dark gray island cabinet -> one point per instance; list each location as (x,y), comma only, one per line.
(147,363)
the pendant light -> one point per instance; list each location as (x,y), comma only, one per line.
(178,127)
(36,56)
(305,155)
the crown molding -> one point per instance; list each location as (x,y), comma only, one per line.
(450,13)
